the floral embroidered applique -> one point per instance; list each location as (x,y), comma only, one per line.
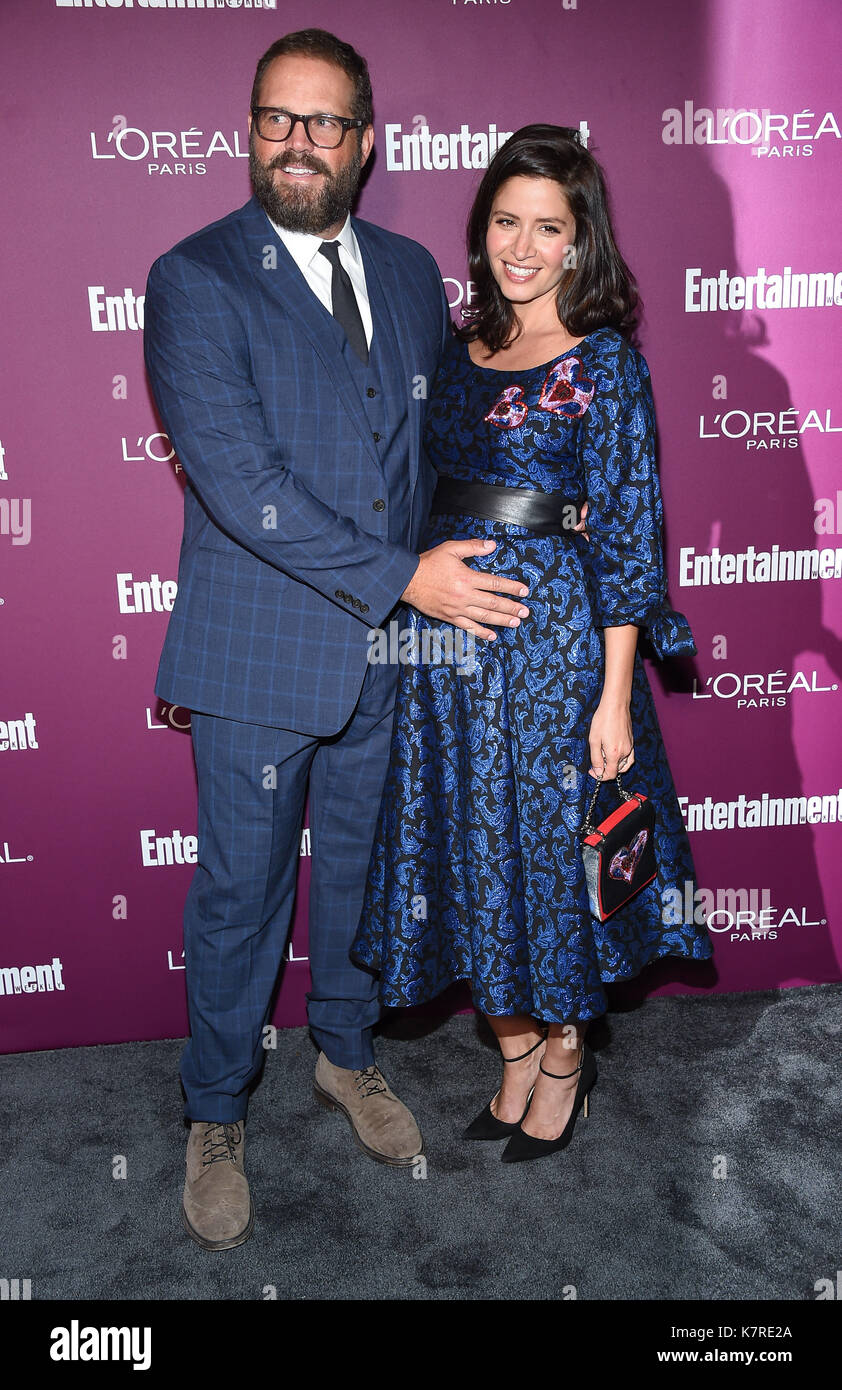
(509,410)
(563,393)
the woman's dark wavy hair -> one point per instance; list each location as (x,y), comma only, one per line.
(599,290)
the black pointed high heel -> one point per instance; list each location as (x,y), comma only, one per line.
(486,1125)
(524,1146)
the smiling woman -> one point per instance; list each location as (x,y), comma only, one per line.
(477,871)
(514,239)
(530,247)
(542,206)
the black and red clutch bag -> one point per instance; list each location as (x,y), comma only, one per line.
(619,853)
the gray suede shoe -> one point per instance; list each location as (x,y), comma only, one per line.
(381,1124)
(217,1210)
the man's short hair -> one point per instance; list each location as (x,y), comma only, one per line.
(318,43)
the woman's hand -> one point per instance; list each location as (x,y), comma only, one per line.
(611,741)
(610,738)
(581,526)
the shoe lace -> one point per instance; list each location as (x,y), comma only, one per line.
(220,1142)
(369,1082)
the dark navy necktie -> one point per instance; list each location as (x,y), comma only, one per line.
(346,310)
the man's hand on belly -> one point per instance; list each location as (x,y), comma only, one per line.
(445,587)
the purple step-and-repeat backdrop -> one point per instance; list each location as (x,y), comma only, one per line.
(125,129)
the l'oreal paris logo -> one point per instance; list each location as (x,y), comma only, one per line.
(756,691)
(768,134)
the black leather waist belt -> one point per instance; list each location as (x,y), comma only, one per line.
(546,513)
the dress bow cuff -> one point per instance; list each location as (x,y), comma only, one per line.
(669,632)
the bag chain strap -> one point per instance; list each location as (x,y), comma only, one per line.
(588,827)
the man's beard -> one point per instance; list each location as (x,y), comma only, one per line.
(297,209)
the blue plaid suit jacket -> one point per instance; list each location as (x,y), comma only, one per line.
(273,609)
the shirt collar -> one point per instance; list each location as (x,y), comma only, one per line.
(304,246)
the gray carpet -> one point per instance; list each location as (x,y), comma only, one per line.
(631,1210)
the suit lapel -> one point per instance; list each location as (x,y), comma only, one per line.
(285,283)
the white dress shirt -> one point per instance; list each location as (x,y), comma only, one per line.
(317,270)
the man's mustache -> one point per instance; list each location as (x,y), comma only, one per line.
(302,161)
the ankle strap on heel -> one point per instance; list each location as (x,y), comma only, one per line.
(543,1038)
(562,1076)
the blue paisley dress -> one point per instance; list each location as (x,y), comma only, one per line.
(476,870)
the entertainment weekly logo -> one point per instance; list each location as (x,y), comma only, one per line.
(708,294)
(174,847)
(115,313)
(766,134)
(152,595)
(161,851)
(166,4)
(409,151)
(18,735)
(761,812)
(751,566)
(31,979)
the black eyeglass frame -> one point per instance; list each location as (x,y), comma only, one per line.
(347,123)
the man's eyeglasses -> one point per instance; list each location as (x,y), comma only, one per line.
(324,130)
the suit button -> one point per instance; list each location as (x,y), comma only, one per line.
(363,607)
(378,504)
(370,391)
(376,437)
(337,593)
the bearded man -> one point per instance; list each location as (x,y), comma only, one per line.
(289,347)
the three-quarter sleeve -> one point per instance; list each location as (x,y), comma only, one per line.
(625,557)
